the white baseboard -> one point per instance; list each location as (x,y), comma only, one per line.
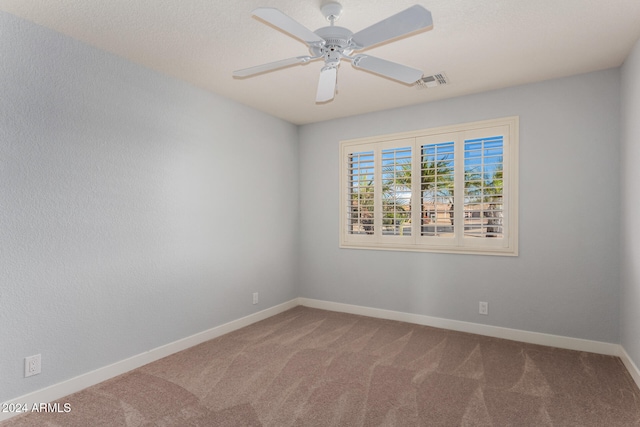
(631,367)
(65,388)
(474,328)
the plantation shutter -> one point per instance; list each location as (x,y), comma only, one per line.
(451,189)
(396,191)
(483,187)
(437,189)
(360,194)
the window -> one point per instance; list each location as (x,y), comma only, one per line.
(450,189)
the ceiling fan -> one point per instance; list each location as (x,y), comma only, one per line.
(334,43)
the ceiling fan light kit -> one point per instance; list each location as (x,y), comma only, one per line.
(333,43)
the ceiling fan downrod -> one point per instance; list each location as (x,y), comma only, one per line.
(332,11)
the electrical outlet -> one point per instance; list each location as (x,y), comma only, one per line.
(484,307)
(32,365)
(255,298)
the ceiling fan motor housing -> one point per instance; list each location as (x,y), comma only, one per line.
(337,44)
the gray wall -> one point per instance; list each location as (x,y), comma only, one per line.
(630,221)
(135,209)
(565,280)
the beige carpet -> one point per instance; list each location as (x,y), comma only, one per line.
(320,368)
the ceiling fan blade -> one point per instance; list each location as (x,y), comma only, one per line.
(288,25)
(393,70)
(327,84)
(405,22)
(246,72)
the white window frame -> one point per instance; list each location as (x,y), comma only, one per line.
(507,245)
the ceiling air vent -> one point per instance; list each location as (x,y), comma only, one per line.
(432,81)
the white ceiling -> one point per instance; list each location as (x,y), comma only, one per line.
(479,44)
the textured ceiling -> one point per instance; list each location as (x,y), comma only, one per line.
(479,44)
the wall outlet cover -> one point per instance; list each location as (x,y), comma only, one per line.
(483,307)
(32,365)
